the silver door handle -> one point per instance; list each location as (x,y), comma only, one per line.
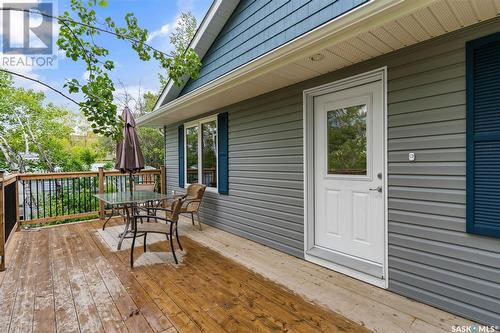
(378,189)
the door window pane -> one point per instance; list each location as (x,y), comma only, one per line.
(209,153)
(192,154)
(347,140)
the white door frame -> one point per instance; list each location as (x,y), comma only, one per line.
(309,190)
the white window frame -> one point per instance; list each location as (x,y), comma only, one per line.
(194,123)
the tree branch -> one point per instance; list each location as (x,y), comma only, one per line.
(63,19)
(19,160)
(85,51)
(42,83)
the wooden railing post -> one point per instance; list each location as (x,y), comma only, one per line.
(163,184)
(2,223)
(101,190)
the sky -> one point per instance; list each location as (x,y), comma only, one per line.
(158,16)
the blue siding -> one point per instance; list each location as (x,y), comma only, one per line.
(259,26)
(483,135)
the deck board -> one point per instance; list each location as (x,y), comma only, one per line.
(44,312)
(67,279)
(8,290)
(376,308)
(23,309)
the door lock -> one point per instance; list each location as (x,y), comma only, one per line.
(378,189)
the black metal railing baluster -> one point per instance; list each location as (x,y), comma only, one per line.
(85,203)
(43,199)
(89,193)
(31,200)
(50,197)
(96,186)
(62,196)
(68,210)
(24,199)
(55,197)
(73,195)
(37,199)
(79,195)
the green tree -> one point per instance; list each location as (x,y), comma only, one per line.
(35,136)
(32,133)
(79,29)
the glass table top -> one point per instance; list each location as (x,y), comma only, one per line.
(121,198)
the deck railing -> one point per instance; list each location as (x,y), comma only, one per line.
(8,211)
(209,176)
(38,198)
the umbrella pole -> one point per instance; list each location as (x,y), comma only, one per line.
(131,182)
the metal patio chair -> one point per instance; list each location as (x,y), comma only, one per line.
(147,187)
(160,225)
(192,201)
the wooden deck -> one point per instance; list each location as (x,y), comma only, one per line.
(68,279)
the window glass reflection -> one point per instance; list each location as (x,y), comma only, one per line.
(209,153)
(192,154)
(347,140)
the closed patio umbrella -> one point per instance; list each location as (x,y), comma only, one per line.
(129,156)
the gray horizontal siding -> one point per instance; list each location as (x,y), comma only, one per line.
(266,200)
(259,26)
(431,257)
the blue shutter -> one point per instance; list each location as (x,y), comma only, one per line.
(222,151)
(181,156)
(483,135)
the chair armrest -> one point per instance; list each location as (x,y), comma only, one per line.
(168,210)
(189,202)
(136,217)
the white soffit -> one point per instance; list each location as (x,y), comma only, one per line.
(377,28)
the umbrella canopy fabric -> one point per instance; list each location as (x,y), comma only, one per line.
(129,156)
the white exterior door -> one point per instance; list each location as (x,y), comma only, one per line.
(349,227)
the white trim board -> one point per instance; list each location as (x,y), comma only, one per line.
(308,95)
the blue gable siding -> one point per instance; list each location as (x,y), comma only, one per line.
(259,26)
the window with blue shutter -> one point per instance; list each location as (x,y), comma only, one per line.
(483,135)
